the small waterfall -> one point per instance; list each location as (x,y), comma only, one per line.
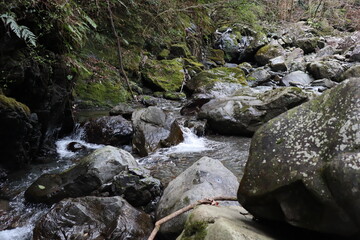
(191,143)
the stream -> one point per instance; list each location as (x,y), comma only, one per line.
(18,217)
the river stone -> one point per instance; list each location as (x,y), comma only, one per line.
(108,130)
(354,71)
(222,223)
(258,76)
(125,109)
(308,45)
(19,134)
(93,218)
(297,78)
(208,78)
(87,176)
(278,64)
(304,165)
(245,113)
(326,69)
(206,178)
(153,128)
(354,55)
(269,51)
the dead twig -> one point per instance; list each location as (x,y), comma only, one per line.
(211,201)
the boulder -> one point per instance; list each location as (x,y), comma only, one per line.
(223,223)
(267,52)
(308,45)
(304,165)
(152,127)
(354,71)
(164,75)
(125,109)
(217,56)
(108,130)
(245,113)
(278,64)
(93,218)
(354,55)
(208,78)
(297,78)
(87,176)
(206,178)
(19,134)
(326,69)
(258,76)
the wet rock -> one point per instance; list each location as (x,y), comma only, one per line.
(272,50)
(297,78)
(93,218)
(197,127)
(193,106)
(304,163)
(354,71)
(87,176)
(326,69)
(139,189)
(326,83)
(206,178)
(354,55)
(208,78)
(257,77)
(223,223)
(164,75)
(75,147)
(177,96)
(278,64)
(245,113)
(108,130)
(152,126)
(19,134)
(125,109)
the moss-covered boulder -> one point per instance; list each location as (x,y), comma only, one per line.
(19,134)
(304,165)
(164,75)
(308,45)
(217,55)
(354,71)
(326,69)
(267,52)
(179,50)
(244,113)
(209,77)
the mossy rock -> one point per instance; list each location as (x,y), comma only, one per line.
(164,54)
(193,67)
(179,50)
(217,55)
(221,74)
(164,75)
(175,95)
(7,103)
(267,52)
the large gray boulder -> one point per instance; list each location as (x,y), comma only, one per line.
(269,51)
(223,223)
(304,165)
(297,78)
(206,178)
(153,128)
(87,176)
(245,113)
(326,69)
(93,218)
(352,72)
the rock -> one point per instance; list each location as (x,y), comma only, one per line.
(193,106)
(196,126)
(326,69)
(246,67)
(324,83)
(192,67)
(278,64)
(223,223)
(297,78)
(19,134)
(354,55)
(93,218)
(308,45)
(206,178)
(179,50)
(138,189)
(354,71)
(125,109)
(177,96)
(228,42)
(164,75)
(152,126)
(257,77)
(245,113)
(269,51)
(108,130)
(304,163)
(84,178)
(217,55)
(75,147)
(208,78)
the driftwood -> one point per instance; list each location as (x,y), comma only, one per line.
(211,201)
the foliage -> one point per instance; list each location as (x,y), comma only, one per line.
(20,31)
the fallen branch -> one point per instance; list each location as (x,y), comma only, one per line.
(211,201)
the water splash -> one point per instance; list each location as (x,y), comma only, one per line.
(191,143)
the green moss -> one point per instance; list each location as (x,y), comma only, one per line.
(217,55)
(164,54)
(179,50)
(194,230)
(167,75)
(11,103)
(175,95)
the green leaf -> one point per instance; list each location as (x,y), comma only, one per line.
(42,187)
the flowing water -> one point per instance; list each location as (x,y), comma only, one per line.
(18,218)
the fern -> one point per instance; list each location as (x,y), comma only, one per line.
(20,31)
